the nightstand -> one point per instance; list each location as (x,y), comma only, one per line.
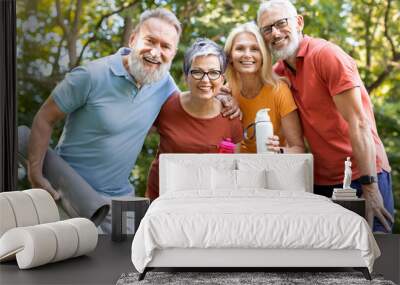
(356,205)
(119,206)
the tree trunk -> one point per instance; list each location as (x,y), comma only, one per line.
(128,28)
(71,46)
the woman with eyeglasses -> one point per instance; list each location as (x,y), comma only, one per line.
(191,122)
(254,84)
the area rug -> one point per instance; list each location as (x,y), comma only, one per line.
(244,278)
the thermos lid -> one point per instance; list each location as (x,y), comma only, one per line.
(227,144)
(262,115)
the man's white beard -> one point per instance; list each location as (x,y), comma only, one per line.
(291,49)
(141,74)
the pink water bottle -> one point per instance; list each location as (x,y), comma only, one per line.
(226,146)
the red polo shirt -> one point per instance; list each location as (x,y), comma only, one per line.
(324,70)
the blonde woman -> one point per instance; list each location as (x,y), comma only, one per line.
(256,86)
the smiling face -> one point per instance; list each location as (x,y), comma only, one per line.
(245,54)
(284,41)
(153,48)
(204,88)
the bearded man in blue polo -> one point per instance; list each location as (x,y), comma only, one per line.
(109,105)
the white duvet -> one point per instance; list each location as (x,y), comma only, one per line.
(253,218)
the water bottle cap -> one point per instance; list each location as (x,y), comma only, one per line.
(262,115)
(227,144)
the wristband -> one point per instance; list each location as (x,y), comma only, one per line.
(367,180)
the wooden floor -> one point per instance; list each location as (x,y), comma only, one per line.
(106,264)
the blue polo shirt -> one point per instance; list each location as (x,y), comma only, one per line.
(108,120)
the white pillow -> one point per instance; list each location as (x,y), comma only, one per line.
(292,179)
(251,178)
(223,179)
(184,177)
(282,173)
(226,179)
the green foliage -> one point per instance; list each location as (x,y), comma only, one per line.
(366,29)
(139,174)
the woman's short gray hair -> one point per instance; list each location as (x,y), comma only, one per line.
(203,47)
(285,5)
(163,14)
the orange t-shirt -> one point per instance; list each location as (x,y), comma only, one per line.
(279,101)
(182,133)
(324,70)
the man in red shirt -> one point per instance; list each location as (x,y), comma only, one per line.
(334,108)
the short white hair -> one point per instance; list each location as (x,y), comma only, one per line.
(282,4)
(162,14)
(203,47)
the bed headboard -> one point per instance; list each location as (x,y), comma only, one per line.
(292,172)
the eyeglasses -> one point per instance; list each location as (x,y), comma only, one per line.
(199,74)
(280,24)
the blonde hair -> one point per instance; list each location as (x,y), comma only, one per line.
(268,76)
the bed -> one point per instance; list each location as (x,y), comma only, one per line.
(246,210)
